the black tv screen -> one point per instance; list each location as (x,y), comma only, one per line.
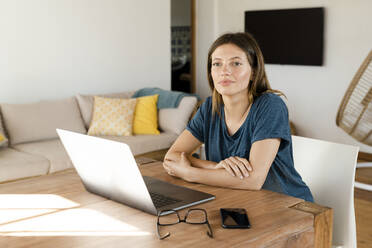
(288,36)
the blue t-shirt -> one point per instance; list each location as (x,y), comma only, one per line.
(267,118)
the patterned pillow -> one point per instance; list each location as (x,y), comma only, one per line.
(86,103)
(3,139)
(112,116)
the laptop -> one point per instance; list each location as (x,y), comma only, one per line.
(108,168)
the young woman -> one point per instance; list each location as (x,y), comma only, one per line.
(244,127)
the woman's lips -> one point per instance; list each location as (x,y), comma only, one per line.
(225,82)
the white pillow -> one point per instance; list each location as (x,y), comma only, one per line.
(175,119)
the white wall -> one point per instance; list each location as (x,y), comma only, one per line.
(314,93)
(57,48)
(206,26)
(180,13)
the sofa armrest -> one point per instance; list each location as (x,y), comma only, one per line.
(175,119)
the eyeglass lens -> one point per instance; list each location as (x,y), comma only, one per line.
(195,216)
(169,219)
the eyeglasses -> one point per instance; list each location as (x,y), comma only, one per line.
(194,216)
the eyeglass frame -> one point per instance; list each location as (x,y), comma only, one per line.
(171,211)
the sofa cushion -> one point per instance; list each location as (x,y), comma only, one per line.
(146,115)
(15,164)
(86,103)
(112,116)
(38,121)
(144,143)
(3,138)
(175,119)
(52,150)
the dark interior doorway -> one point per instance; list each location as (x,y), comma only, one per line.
(182,45)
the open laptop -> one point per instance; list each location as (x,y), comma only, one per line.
(108,168)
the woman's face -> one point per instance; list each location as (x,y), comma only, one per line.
(230,70)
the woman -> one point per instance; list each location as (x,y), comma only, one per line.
(244,127)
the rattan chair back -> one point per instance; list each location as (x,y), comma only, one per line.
(355,112)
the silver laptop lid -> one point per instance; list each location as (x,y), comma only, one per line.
(107,168)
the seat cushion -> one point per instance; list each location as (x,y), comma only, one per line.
(38,121)
(51,150)
(15,165)
(143,143)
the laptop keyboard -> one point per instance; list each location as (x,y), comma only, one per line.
(160,200)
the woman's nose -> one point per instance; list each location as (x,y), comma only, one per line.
(226,69)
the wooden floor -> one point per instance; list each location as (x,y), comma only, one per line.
(363,209)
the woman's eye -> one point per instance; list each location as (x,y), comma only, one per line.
(237,63)
(216,64)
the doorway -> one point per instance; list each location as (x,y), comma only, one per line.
(182,46)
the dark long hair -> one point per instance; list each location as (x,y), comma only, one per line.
(258,84)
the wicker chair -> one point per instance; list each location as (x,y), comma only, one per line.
(355,112)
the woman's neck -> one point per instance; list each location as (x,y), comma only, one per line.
(236,111)
(236,107)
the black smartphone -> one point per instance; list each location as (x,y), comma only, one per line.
(234,218)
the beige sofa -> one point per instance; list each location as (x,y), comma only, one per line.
(33,146)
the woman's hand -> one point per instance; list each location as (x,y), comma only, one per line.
(178,166)
(235,166)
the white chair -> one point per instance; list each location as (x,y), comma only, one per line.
(329,171)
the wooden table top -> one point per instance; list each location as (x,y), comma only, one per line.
(56,211)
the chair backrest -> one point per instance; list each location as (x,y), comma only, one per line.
(329,170)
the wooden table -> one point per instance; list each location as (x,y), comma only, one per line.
(56,211)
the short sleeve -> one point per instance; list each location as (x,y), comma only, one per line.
(271,119)
(197,124)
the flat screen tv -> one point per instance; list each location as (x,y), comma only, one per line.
(288,36)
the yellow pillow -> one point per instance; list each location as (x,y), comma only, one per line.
(3,139)
(112,116)
(146,115)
